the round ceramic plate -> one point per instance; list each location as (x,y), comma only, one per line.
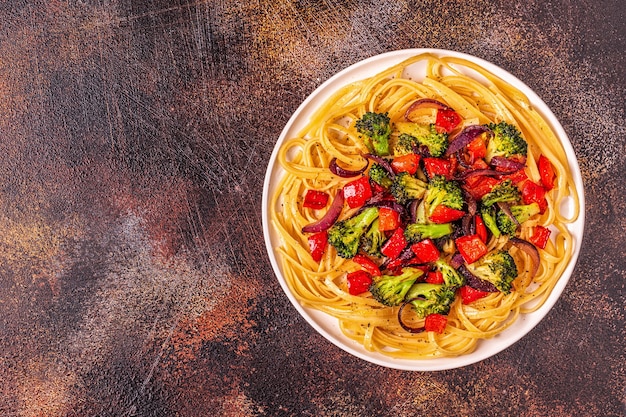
(327,325)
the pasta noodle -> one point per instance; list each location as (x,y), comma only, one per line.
(479,97)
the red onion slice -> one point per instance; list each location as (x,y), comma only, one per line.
(508,164)
(376,198)
(329,218)
(473,281)
(382,162)
(457,260)
(461,160)
(466,136)
(472,205)
(345,173)
(506,209)
(404,325)
(424,103)
(413,210)
(467,225)
(481,172)
(531,250)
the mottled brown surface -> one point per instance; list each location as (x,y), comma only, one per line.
(134,141)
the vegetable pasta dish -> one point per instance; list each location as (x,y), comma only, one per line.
(423,212)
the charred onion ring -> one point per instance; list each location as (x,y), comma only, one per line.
(329,218)
(344,173)
(482,172)
(508,164)
(413,210)
(382,162)
(506,209)
(531,250)
(405,326)
(473,281)
(466,136)
(422,103)
(456,261)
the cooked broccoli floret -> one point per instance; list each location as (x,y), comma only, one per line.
(405,144)
(505,224)
(521,213)
(429,299)
(506,141)
(505,192)
(414,232)
(345,235)
(373,239)
(437,143)
(379,175)
(497,267)
(406,187)
(443,191)
(451,277)
(391,290)
(489,216)
(375,129)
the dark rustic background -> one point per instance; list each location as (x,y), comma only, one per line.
(134,138)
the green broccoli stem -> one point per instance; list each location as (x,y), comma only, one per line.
(345,236)
(415,232)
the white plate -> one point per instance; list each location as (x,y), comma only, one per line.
(327,325)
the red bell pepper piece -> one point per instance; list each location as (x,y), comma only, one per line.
(425,251)
(444,214)
(317,245)
(469,294)
(476,149)
(546,172)
(480,164)
(395,265)
(315,199)
(358,282)
(471,247)
(481,229)
(477,186)
(406,163)
(436,323)
(392,248)
(357,192)
(534,193)
(437,166)
(446,120)
(539,236)
(388,219)
(434,277)
(517,178)
(454,165)
(367,264)
(472,181)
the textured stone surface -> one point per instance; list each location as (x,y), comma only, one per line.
(134,142)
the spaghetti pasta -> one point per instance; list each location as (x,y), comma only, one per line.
(479,97)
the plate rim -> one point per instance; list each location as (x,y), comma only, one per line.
(380,62)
